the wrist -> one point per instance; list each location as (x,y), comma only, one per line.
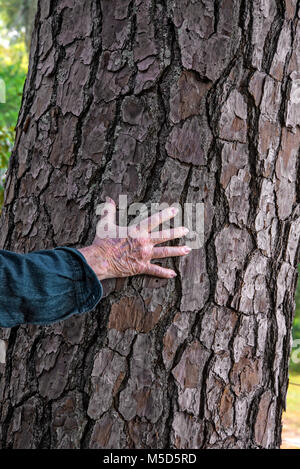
(96,261)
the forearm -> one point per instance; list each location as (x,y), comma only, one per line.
(45,287)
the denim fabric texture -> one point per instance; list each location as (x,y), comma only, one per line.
(44,287)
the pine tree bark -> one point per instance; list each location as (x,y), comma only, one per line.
(165,101)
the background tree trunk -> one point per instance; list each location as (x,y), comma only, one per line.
(165,101)
(29,11)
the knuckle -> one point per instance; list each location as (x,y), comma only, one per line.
(145,250)
(155,235)
(166,251)
(153,269)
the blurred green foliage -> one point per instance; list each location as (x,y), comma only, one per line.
(12,15)
(295,367)
(13,70)
(296,334)
(14,76)
(18,17)
(7,135)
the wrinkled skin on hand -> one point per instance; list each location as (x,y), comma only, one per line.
(114,256)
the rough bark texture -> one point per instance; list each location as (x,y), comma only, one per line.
(166,101)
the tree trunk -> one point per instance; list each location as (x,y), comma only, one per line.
(165,101)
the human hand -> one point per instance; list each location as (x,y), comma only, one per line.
(115,257)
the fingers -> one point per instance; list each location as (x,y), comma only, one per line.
(155,220)
(170,251)
(158,271)
(168,235)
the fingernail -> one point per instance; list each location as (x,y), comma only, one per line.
(187,249)
(186,230)
(174,210)
(173,274)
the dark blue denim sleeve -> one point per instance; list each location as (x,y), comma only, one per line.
(45,287)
